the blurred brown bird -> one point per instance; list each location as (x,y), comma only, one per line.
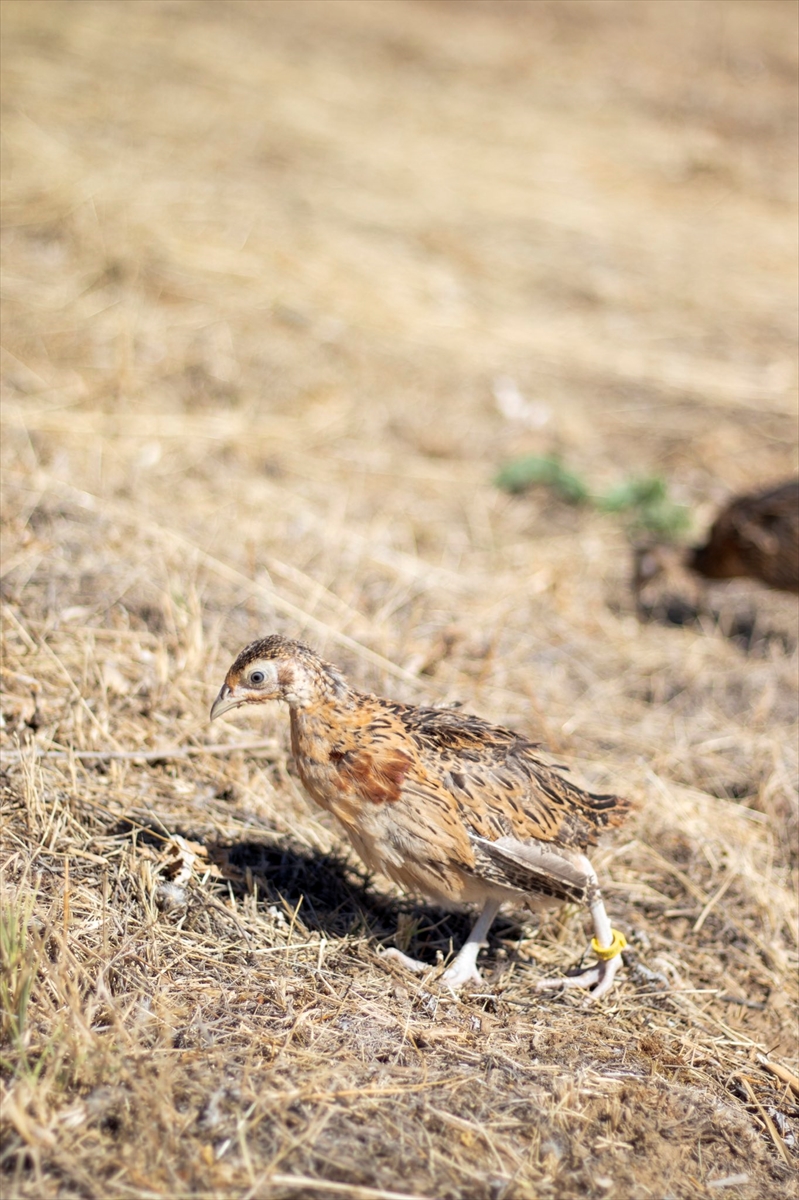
(756,535)
(441,802)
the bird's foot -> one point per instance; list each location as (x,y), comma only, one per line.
(461,970)
(599,978)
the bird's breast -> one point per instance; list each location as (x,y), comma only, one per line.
(345,768)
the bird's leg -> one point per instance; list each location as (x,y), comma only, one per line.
(463,968)
(599,978)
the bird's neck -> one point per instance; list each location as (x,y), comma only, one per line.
(306,686)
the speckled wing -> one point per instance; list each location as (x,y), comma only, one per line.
(532,867)
(501,785)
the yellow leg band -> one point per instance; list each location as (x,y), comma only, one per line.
(618,944)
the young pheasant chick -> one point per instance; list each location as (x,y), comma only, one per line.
(755,536)
(439,801)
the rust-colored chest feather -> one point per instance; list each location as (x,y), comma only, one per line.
(347,758)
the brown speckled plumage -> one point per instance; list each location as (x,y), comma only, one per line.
(441,802)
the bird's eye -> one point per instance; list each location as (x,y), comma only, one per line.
(256,677)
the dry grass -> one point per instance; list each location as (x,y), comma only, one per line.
(263,266)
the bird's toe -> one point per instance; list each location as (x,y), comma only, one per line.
(599,979)
(405,960)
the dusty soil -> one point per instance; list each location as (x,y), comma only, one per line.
(284,285)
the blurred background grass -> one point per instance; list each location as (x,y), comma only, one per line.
(284,286)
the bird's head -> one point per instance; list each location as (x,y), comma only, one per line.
(277,668)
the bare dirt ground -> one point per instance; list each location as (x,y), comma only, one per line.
(284,285)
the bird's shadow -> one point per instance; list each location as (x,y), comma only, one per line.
(740,624)
(336,897)
(329,893)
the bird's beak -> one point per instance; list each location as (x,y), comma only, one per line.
(226,699)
